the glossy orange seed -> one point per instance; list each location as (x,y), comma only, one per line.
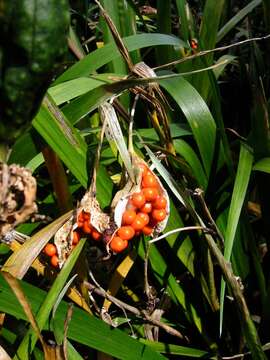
(87,229)
(86,216)
(50,249)
(128,217)
(96,235)
(54,261)
(150,193)
(80,217)
(146,208)
(160,202)
(80,224)
(76,237)
(118,245)
(144,169)
(138,199)
(144,217)
(149,180)
(138,223)
(126,232)
(147,230)
(159,214)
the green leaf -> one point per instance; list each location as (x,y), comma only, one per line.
(160,270)
(176,349)
(207,40)
(103,56)
(28,343)
(240,15)
(63,139)
(70,89)
(185,16)
(66,141)
(237,201)
(98,336)
(198,116)
(185,150)
(117,65)
(164,54)
(262,165)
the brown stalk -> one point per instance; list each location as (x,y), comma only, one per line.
(139,313)
(59,179)
(116,36)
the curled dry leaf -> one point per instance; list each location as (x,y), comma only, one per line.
(17,196)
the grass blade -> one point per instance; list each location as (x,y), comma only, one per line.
(236,19)
(99,335)
(103,56)
(237,201)
(29,341)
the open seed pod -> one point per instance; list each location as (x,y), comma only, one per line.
(88,220)
(146,200)
(142,205)
(17,197)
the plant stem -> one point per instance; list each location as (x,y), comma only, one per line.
(247,324)
(58,178)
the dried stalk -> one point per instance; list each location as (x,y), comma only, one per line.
(139,313)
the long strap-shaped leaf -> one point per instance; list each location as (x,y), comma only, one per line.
(114,133)
(238,197)
(28,343)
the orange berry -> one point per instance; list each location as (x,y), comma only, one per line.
(194,44)
(138,199)
(126,232)
(144,169)
(147,230)
(160,202)
(80,224)
(144,217)
(138,223)
(87,228)
(54,261)
(159,214)
(149,180)
(117,244)
(146,208)
(128,217)
(150,193)
(95,235)
(76,237)
(50,249)
(80,217)
(86,216)
(130,206)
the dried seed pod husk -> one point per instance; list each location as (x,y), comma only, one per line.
(98,220)
(89,204)
(17,197)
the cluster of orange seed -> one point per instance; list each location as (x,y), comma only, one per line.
(143,211)
(83,229)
